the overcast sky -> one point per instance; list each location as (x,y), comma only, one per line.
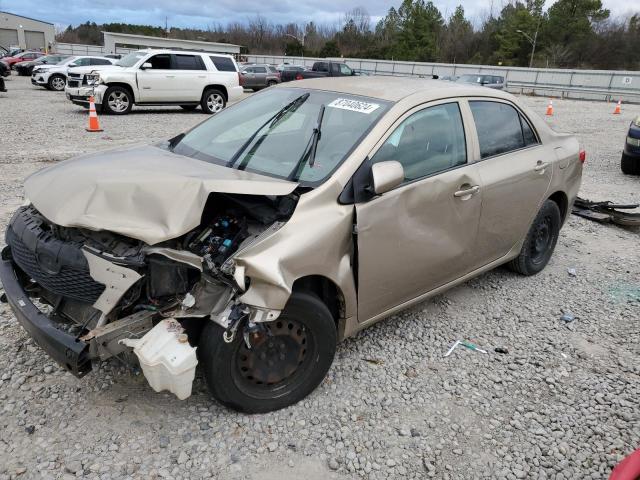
(199,13)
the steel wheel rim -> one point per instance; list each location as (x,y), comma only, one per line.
(277,359)
(542,238)
(57,83)
(118,101)
(215,102)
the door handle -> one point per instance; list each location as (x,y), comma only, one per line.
(540,166)
(467,192)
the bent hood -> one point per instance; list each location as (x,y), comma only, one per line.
(146,193)
(95,68)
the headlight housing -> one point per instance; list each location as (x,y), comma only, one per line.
(93,79)
(633,141)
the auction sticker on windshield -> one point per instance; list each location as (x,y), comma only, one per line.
(353,105)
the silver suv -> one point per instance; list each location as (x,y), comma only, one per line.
(259,76)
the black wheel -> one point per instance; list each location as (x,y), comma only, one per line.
(285,363)
(271,83)
(213,101)
(540,241)
(630,165)
(117,101)
(189,108)
(57,83)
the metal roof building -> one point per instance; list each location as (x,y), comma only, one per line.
(25,32)
(127,40)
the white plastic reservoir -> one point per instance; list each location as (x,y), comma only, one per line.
(167,360)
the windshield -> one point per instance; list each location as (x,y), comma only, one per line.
(131,59)
(469,79)
(280,143)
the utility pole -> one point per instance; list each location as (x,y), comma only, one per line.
(301,41)
(532,41)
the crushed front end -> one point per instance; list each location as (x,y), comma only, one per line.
(83,295)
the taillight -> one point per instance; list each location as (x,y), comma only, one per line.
(583,156)
(299,76)
(240,79)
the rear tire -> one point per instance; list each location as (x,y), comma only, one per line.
(630,165)
(56,83)
(117,101)
(540,241)
(213,101)
(281,368)
(271,83)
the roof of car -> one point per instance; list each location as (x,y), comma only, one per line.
(395,89)
(179,51)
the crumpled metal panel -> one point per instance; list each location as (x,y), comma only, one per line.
(143,192)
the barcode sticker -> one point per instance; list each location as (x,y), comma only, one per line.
(354,105)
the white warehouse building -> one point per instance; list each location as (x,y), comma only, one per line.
(25,32)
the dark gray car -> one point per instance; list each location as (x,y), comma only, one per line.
(491,81)
(259,76)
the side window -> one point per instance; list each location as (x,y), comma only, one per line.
(498,126)
(162,61)
(527,132)
(260,70)
(223,64)
(188,62)
(82,62)
(345,69)
(322,67)
(249,69)
(100,61)
(429,141)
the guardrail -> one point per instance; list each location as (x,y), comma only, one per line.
(579,84)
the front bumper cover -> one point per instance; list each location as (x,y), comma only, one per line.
(66,349)
(80,95)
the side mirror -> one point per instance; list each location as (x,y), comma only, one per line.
(73,65)
(146,65)
(386,176)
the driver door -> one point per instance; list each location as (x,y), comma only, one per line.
(420,235)
(156,84)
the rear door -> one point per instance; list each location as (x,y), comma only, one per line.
(515,170)
(420,235)
(155,84)
(260,76)
(190,77)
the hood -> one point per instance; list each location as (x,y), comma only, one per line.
(94,68)
(146,193)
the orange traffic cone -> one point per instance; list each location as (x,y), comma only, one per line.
(617,110)
(94,124)
(550,108)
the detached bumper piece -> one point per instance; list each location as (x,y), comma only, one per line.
(606,212)
(71,353)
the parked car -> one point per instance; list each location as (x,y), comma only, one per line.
(295,218)
(256,77)
(21,57)
(630,162)
(26,68)
(491,81)
(9,52)
(54,77)
(448,78)
(159,77)
(289,72)
(4,70)
(323,69)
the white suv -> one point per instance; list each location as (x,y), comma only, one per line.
(54,76)
(158,77)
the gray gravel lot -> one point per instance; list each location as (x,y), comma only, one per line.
(563,402)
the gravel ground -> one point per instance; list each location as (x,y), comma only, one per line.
(563,402)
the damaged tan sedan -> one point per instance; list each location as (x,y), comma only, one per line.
(255,241)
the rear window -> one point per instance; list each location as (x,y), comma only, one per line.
(188,62)
(223,64)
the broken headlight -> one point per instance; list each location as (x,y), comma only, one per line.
(93,79)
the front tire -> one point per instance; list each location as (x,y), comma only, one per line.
(630,165)
(283,365)
(213,101)
(540,241)
(56,83)
(117,101)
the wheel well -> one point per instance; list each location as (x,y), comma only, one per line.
(326,290)
(125,86)
(560,198)
(222,89)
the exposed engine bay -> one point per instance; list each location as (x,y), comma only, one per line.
(105,288)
